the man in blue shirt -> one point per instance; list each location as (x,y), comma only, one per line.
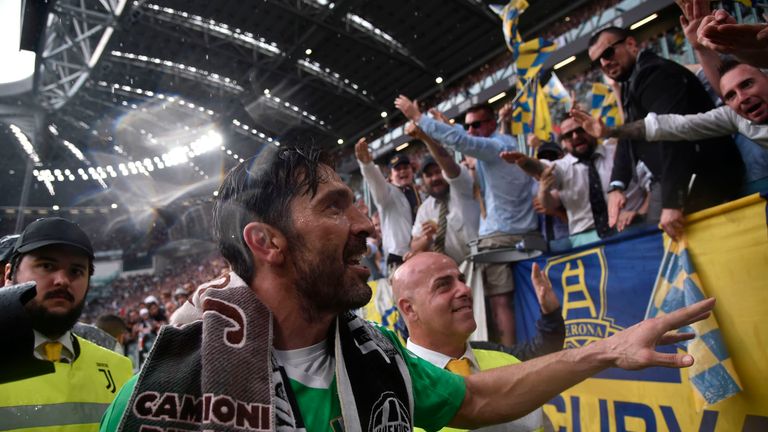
(506,192)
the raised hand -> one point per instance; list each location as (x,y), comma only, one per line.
(591,125)
(635,347)
(413,130)
(409,108)
(544,293)
(361,151)
(439,116)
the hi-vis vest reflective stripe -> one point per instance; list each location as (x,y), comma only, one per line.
(71,399)
(533,422)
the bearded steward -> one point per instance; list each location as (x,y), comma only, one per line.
(57,256)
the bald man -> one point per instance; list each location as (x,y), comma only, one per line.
(436,304)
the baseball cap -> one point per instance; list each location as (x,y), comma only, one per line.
(7,244)
(549,151)
(50,231)
(426,162)
(399,159)
(151,299)
(180,291)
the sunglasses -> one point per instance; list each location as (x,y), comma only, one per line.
(567,136)
(608,53)
(476,124)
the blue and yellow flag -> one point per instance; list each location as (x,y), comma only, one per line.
(530,112)
(556,93)
(532,55)
(510,17)
(713,375)
(747,3)
(605,106)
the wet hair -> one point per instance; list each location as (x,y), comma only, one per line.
(261,189)
(483,107)
(616,31)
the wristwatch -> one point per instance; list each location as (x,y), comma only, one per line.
(616,185)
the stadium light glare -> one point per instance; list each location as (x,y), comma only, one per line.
(644,21)
(438,80)
(567,61)
(340,141)
(383,114)
(401,146)
(497,97)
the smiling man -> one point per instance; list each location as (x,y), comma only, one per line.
(581,179)
(57,255)
(651,84)
(274,346)
(745,93)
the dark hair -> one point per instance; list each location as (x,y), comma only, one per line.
(16,261)
(616,31)
(261,189)
(487,108)
(112,324)
(728,64)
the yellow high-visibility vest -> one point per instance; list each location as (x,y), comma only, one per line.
(71,399)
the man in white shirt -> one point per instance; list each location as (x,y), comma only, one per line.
(396,201)
(446,230)
(583,193)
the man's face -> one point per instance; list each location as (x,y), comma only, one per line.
(61,274)
(402,175)
(616,55)
(480,123)
(434,182)
(154,310)
(576,140)
(745,90)
(326,245)
(441,299)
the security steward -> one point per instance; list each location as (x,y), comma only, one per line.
(57,255)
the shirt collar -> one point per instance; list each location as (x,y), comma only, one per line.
(439,359)
(599,150)
(67,349)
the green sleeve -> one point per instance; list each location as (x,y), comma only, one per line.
(111,419)
(437,393)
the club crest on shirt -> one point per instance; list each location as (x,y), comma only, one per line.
(389,415)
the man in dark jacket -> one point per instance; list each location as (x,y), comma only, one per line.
(712,168)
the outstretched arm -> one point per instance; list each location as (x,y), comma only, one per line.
(531,166)
(502,394)
(595,127)
(443,158)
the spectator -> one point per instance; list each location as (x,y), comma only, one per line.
(6,249)
(652,84)
(553,223)
(581,179)
(446,221)
(57,255)
(180,296)
(506,192)
(746,95)
(397,201)
(115,326)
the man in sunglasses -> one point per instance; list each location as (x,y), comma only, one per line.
(650,83)
(506,193)
(580,178)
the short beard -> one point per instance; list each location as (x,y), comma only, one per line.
(322,285)
(442,194)
(53,325)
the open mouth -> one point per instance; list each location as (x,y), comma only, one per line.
(467,307)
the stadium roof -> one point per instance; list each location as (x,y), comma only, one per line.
(148,100)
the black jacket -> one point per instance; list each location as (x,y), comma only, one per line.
(665,87)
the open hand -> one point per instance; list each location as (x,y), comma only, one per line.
(361,151)
(544,293)
(413,130)
(513,157)
(635,347)
(409,108)
(591,125)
